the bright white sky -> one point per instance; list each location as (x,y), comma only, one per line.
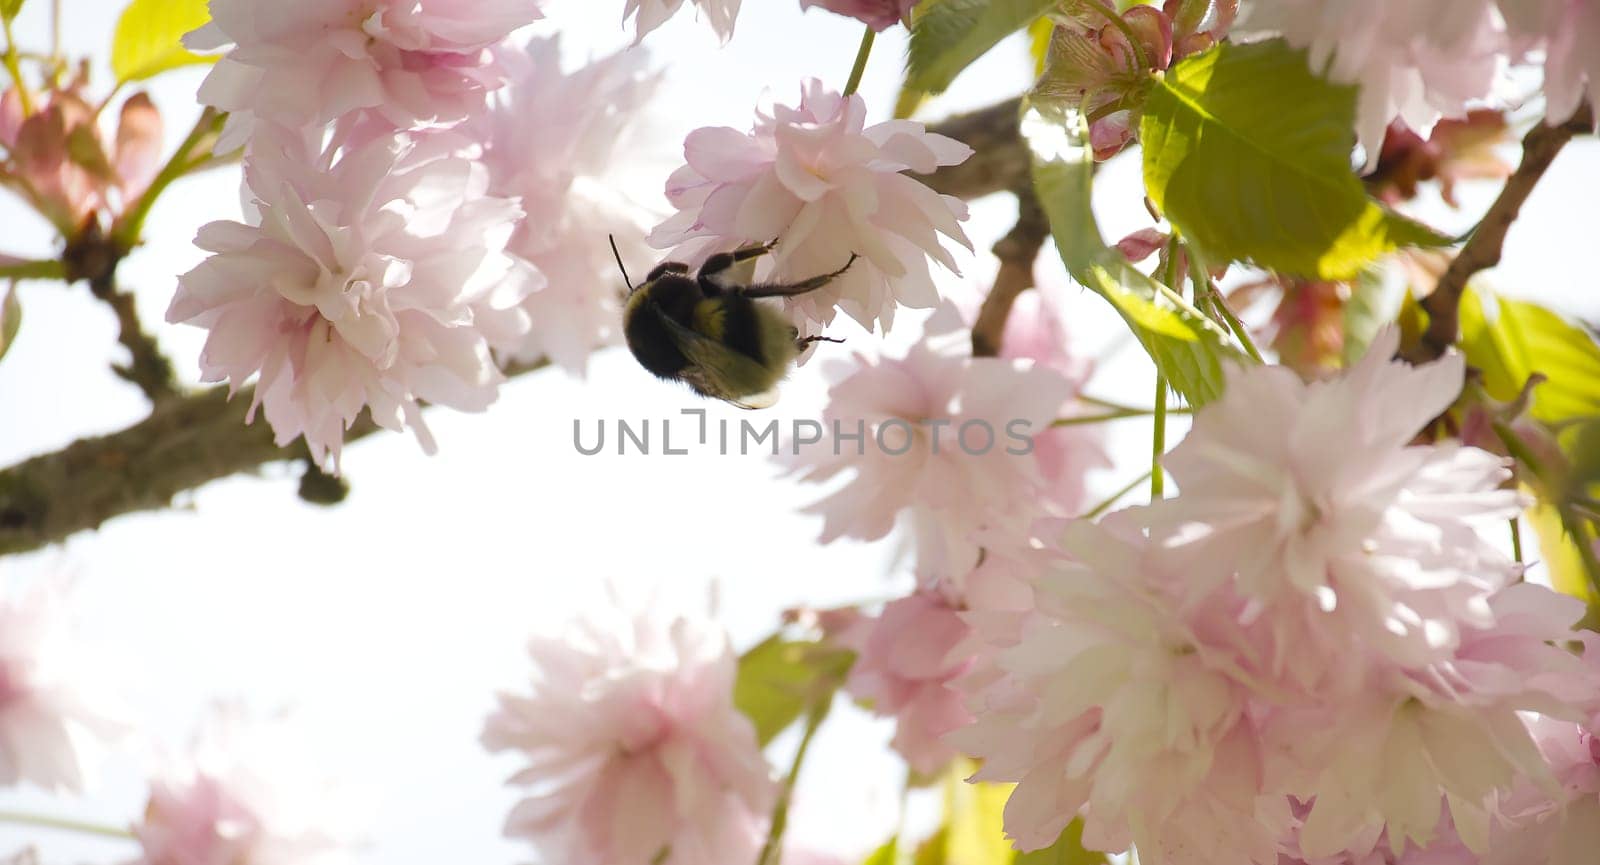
(390,621)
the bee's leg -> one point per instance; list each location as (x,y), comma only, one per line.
(801,287)
(666,267)
(802,343)
(713,272)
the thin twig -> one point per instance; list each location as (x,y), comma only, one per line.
(63,824)
(1482,250)
(1016,251)
(33,270)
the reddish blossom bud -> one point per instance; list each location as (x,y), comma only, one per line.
(880,15)
(138,152)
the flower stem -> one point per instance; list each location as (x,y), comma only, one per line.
(1104,506)
(1110,416)
(1113,405)
(129,227)
(772,852)
(861,61)
(1158,444)
(1220,304)
(64,825)
(33,270)
(16,70)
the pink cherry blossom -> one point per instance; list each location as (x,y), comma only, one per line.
(1448,734)
(552,139)
(906,658)
(245,793)
(1415,60)
(1567,31)
(880,15)
(634,751)
(303,63)
(53,712)
(362,286)
(944,440)
(1560,829)
(1309,494)
(1107,703)
(647,15)
(825,185)
(1037,331)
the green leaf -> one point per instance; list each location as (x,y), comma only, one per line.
(1365,313)
(10,319)
(976,822)
(779,678)
(1068,850)
(1248,154)
(1188,348)
(885,855)
(1558,549)
(1039,33)
(147,39)
(948,35)
(10,8)
(1582,444)
(932,850)
(1519,339)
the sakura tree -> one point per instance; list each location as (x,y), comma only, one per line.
(1344,614)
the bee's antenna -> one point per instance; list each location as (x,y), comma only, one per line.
(618,255)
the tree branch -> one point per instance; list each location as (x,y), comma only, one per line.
(185,443)
(1001,162)
(1482,250)
(1017,252)
(191,439)
(94,257)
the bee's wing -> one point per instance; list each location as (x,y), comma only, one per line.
(712,366)
(765,399)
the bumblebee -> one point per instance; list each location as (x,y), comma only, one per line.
(712,332)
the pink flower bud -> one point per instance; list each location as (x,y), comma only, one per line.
(10,116)
(1141,244)
(139,133)
(880,15)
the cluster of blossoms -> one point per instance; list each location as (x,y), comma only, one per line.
(1102,67)
(1421,60)
(375,250)
(424,204)
(1310,653)
(827,186)
(959,446)
(1414,62)
(635,751)
(429,212)
(647,15)
(967,501)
